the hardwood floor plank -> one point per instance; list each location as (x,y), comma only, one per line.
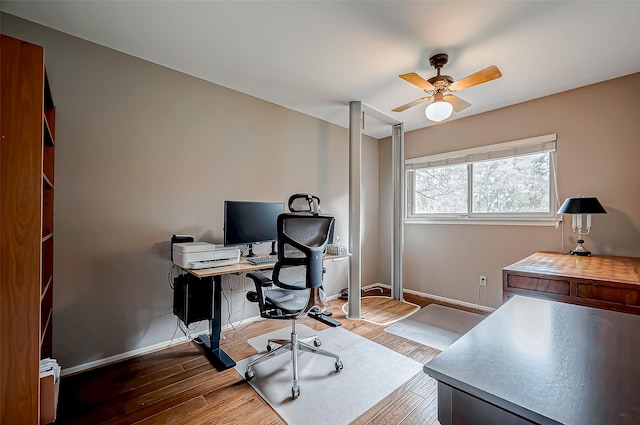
(424,385)
(382,310)
(142,380)
(238,404)
(210,381)
(423,354)
(395,343)
(425,414)
(386,402)
(106,383)
(396,411)
(129,401)
(155,391)
(176,414)
(192,364)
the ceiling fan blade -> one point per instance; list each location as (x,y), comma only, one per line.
(479,77)
(411,104)
(417,80)
(457,103)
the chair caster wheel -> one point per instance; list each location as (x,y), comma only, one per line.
(317,342)
(295,392)
(249,374)
(338,366)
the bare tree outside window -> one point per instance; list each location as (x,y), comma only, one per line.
(441,190)
(519,184)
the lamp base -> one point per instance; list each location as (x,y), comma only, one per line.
(580,250)
(582,253)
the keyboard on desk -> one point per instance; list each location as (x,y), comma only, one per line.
(263,259)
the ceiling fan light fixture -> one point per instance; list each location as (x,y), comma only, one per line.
(439,110)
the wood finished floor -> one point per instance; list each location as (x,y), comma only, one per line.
(177,385)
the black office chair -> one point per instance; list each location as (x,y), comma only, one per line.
(302,238)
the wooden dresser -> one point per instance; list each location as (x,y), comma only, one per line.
(607,282)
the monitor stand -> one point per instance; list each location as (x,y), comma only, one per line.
(273,250)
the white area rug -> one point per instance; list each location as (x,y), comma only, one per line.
(371,372)
(436,326)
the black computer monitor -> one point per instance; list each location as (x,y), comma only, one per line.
(248,223)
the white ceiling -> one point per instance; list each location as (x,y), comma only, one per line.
(317,56)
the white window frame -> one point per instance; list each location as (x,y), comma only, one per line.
(539,144)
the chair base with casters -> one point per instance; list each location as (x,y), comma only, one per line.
(293,345)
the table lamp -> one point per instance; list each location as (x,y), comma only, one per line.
(577,207)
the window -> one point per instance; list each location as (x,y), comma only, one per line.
(507,182)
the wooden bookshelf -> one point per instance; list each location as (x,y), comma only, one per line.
(27,206)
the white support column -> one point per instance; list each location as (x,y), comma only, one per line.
(397,155)
(357,111)
(356,121)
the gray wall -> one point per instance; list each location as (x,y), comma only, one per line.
(143,152)
(598,129)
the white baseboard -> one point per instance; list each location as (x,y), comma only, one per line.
(145,350)
(438,297)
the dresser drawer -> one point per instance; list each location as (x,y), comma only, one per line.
(552,286)
(600,292)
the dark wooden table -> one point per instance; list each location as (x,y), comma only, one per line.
(544,362)
(601,281)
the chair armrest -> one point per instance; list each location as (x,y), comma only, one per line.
(260,279)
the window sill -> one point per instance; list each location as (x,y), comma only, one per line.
(545,222)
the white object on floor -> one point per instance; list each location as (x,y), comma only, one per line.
(436,326)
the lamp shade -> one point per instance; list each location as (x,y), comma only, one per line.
(581,206)
(439,110)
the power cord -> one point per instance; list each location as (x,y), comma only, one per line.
(170,275)
(186,331)
(229,301)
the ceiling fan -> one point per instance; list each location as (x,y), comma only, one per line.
(440,87)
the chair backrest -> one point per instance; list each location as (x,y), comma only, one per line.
(302,240)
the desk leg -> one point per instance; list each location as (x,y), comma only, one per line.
(211,343)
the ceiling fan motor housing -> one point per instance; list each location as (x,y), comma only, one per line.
(440,82)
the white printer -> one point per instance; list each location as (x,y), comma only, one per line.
(202,255)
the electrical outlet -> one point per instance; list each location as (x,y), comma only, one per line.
(483,281)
